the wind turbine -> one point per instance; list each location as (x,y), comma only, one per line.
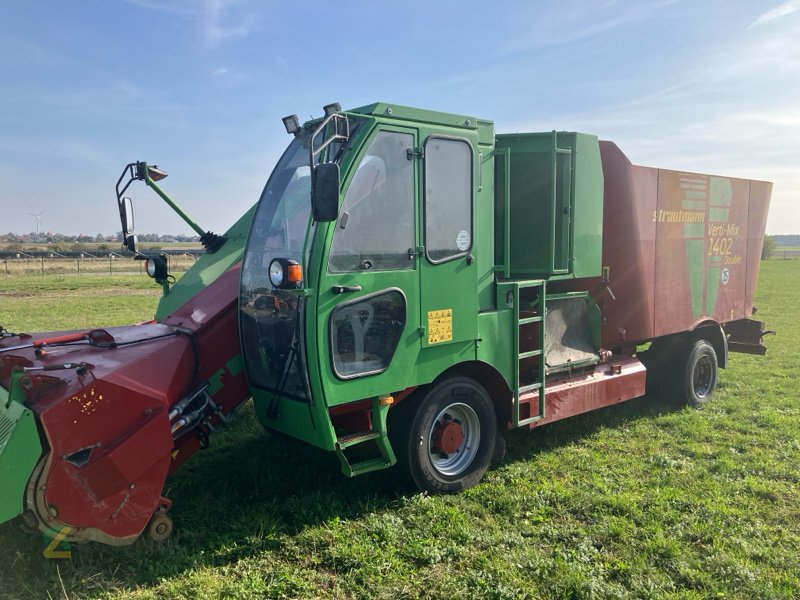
(38,221)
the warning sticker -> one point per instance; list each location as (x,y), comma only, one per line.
(440,326)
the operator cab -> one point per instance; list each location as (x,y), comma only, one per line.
(372,211)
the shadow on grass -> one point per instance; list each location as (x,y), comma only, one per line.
(250,494)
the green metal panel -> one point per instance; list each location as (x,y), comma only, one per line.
(552,196)
(451,286)
(397,376)
(494,346)
(307,422)
(207,268)
(413,116)
(20,449)
(484,227)
(587,217)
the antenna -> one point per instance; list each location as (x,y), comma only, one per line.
(38,221)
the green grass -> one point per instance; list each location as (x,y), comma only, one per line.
(638,500)
(50,302)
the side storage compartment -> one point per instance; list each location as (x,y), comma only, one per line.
(549,205)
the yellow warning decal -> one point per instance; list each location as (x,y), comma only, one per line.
(440,326)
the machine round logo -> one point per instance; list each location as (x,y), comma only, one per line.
(726,276)
(462,240)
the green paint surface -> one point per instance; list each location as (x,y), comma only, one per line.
(694,230)
(19,450)
(721,192)
(717,214)
(694,265)
(207,268)
(694,204)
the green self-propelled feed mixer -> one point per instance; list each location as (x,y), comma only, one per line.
(409,282)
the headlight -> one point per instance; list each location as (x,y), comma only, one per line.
(285,273)
(276,273)
(157,267)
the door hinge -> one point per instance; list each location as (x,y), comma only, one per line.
(412,152)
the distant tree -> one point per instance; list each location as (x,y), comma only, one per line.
(768,248)
(787,240)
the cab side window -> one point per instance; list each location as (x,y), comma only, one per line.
(375,228)
(448,198)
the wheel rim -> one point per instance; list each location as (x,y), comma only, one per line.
(703,376)
(454,439)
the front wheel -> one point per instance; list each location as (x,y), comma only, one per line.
(447,439)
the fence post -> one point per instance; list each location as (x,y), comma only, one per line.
(79,265)
(42,257)
(6,266)
(110,256)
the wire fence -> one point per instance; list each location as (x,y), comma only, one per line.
(786,253)
(13,266)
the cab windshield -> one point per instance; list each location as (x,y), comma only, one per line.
(271,319)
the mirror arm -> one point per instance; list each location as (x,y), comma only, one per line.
(211,241)
(152,184)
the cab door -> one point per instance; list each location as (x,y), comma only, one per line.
(368,317)
(448,274)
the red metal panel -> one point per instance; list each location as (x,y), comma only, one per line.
(760,193)
(621,379)
(701,248)
(116,412)
(628,247)
(681,248)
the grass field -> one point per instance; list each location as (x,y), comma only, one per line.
(639,500)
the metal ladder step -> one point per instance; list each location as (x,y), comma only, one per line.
(527,320)
(529,388)
(352,439)
(378,435)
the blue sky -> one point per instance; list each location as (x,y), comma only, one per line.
(199,86)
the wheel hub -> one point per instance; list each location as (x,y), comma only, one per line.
(454,439)
(448,437)
(703,376)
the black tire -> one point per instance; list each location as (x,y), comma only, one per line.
(445,437)
(699,374)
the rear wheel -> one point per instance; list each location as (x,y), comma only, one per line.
(699,373)
(445,438)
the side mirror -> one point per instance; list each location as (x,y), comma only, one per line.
(126,215)
(126,219)
(325,196)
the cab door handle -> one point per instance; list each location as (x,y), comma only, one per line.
(342,289)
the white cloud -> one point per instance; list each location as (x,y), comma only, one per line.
(776,13)
(217,20)
(226,19)
(733,111)
(569,22)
